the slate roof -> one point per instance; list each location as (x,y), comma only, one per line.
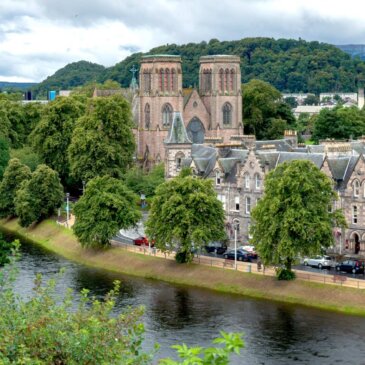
(338,166)
(316,158)
(349,170)
(204,158)
(177,132)
(277,144)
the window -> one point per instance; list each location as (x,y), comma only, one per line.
(258,182)
(167,79)
(247,181)
(232,86)
(147,81)
(173,80)
(222,199)
(166,115)
(217,178)
(162,80)
(227,80)
(354,214)
(221,80)
(227,113)
(147,116)
(248,205)
(237,203)
(356,187)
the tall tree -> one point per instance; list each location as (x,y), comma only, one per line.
(185,214)
(106,207)
(14,175)
(38,197)
(102,142)
(262,108)
(52,135)
(4,155)
(293,216)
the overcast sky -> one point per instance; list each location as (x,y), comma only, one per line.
(38,37)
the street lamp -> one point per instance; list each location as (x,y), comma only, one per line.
(235,227)
(67,208)
(83,187)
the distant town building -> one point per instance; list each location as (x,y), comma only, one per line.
(310,109)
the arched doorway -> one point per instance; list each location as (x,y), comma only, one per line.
(196,131)
(357,243)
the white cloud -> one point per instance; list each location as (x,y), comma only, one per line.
(37,37)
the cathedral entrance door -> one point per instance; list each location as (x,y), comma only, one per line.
(196,131)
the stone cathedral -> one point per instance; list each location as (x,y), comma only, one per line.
(211,113)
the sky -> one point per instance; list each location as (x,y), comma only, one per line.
(38,37)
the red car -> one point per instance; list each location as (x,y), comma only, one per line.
(142,241)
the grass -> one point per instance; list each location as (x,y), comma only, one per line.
(61,241)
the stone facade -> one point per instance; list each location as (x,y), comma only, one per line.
(238,171)
(212,111)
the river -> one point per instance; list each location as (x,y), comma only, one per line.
(274,333)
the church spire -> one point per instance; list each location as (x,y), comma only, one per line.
(177,133)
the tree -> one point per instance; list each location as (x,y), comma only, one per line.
(38,197)
(311,99)
(106,207)
(27,157)
(52,136)
(263,108)
(14,175)
(293,216)
(6,249)
(291,101)
(4,155)
(185,214)
(102,142)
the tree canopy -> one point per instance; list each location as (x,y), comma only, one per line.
(14,175)
(185,214)
(294,217)
(38,197)
(4,155)
(339,123)
(102,141)
(52,135)
(106,207)
(264,113)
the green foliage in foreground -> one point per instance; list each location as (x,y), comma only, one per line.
(106,207)
(185,214)
(27,157)
(4,155)
(293,218)
(6,248)
(49,329)
(38,197)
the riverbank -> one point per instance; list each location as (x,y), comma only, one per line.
(61,241)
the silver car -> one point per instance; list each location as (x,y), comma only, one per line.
(319,261)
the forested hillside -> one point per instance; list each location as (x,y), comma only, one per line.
(289,65)
(355,50)
(70,76)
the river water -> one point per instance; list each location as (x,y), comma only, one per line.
(274,333)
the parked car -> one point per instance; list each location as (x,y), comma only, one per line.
(218,247)
(351,266)
(142,241)
(250,249)
(319,261)
(242,255)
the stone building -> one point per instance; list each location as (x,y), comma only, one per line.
(214,110)
(238,170)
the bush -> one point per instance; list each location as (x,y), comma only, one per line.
(285,274)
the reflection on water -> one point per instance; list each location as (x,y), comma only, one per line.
(274,333)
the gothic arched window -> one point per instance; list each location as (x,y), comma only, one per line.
(147,116)
(356,187)
(232,86)
(227,80)
(221,80)
(227,114)
(167,79)
(146,81)
(173,80)
(162,80)
(167,115)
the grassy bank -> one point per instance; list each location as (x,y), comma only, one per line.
(61,241)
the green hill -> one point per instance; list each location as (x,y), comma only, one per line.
(70,76)
(15,86)
(290,65)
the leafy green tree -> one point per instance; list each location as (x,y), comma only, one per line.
(185,214)
(293,216)
(52,135)
(38,197)
(291,101)
(27,157)
(14,175)
(6,249)
(262,110)
(232,343)
(103,142)
(141,182)
(4,155)
(339,123)
(311,99)
(106,207)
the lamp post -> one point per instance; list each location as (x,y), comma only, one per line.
(83,187)
(235,227)
(67,208)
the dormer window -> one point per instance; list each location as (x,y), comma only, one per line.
(247,181)
(217,178)
(257,182)
(356,187)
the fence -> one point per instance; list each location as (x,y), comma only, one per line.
(249,267)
